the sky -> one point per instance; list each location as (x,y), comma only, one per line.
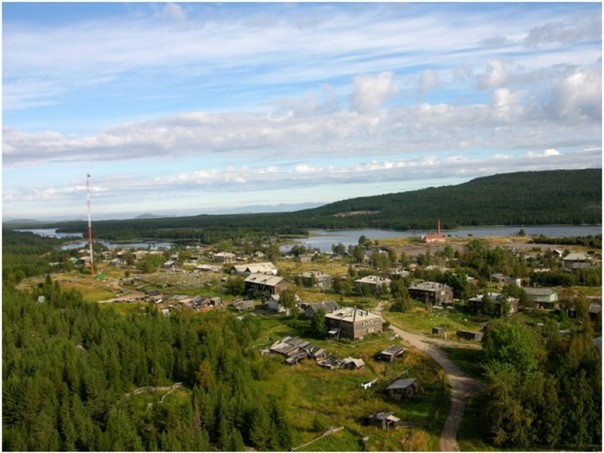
(204,108)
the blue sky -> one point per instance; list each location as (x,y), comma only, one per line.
(189,108)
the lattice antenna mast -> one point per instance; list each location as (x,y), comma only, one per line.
(89,224)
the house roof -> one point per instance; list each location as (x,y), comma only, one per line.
(256,268)
(327,306)
(386,416)
(350,313)
(374,280)
(401,384)
(263,279)
(576,257)
(394,349)
(428,286)
(539,291)
(317,274)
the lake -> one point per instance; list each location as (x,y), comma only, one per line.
(323,239)
(52,233)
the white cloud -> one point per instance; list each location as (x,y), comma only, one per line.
(578,95)
(495,76)
(550,152)
(174,11)
(428,81)
(370,91)
(506,104)
(301,175)
(579,28)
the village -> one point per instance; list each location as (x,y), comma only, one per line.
(340,312)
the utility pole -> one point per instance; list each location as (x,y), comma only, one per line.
(89,224)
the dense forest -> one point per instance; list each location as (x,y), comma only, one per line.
(79,377)
(525,198)
(544,389)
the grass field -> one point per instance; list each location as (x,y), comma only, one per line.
(319,398)
(419,320)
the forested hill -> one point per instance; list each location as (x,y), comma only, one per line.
(527,198)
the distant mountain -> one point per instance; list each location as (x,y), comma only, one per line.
(149,216)
(20,221)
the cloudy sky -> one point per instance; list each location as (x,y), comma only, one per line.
(197,108)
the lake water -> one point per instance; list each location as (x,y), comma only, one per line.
(323,239)
(52,233)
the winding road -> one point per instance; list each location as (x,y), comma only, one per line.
(462,385)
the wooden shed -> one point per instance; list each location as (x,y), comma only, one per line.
(404,388)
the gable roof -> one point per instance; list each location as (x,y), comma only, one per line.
(263,279)
(401,384)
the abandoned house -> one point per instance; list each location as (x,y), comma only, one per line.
(432,293)
(404,388)
(477,304)
(373,281)
(266,283)
(384,420)
(546,298)
(328,306)
(469,335)
(352,323)
(267,268)
(317,279)
(391,353)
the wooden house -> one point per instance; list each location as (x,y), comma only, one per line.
(546,298)
(432,293)
(476,304)
(353,323)
(266,283)
(391,353)
(373,281)
(318,279)
(404,388)
(577,261)
(267,268)
(384,420)
(469,335)
(328,306)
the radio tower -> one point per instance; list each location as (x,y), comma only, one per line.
(89,224)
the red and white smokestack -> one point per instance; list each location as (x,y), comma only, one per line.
(89,224)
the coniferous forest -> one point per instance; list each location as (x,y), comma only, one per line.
(79,377)
(525,198)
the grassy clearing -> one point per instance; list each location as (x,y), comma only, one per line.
(291,268)
(468,360)
(319,398)
(419,320)
(125,308)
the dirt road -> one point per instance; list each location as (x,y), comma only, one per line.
(462,386)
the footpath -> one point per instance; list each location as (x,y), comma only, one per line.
(462,385)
